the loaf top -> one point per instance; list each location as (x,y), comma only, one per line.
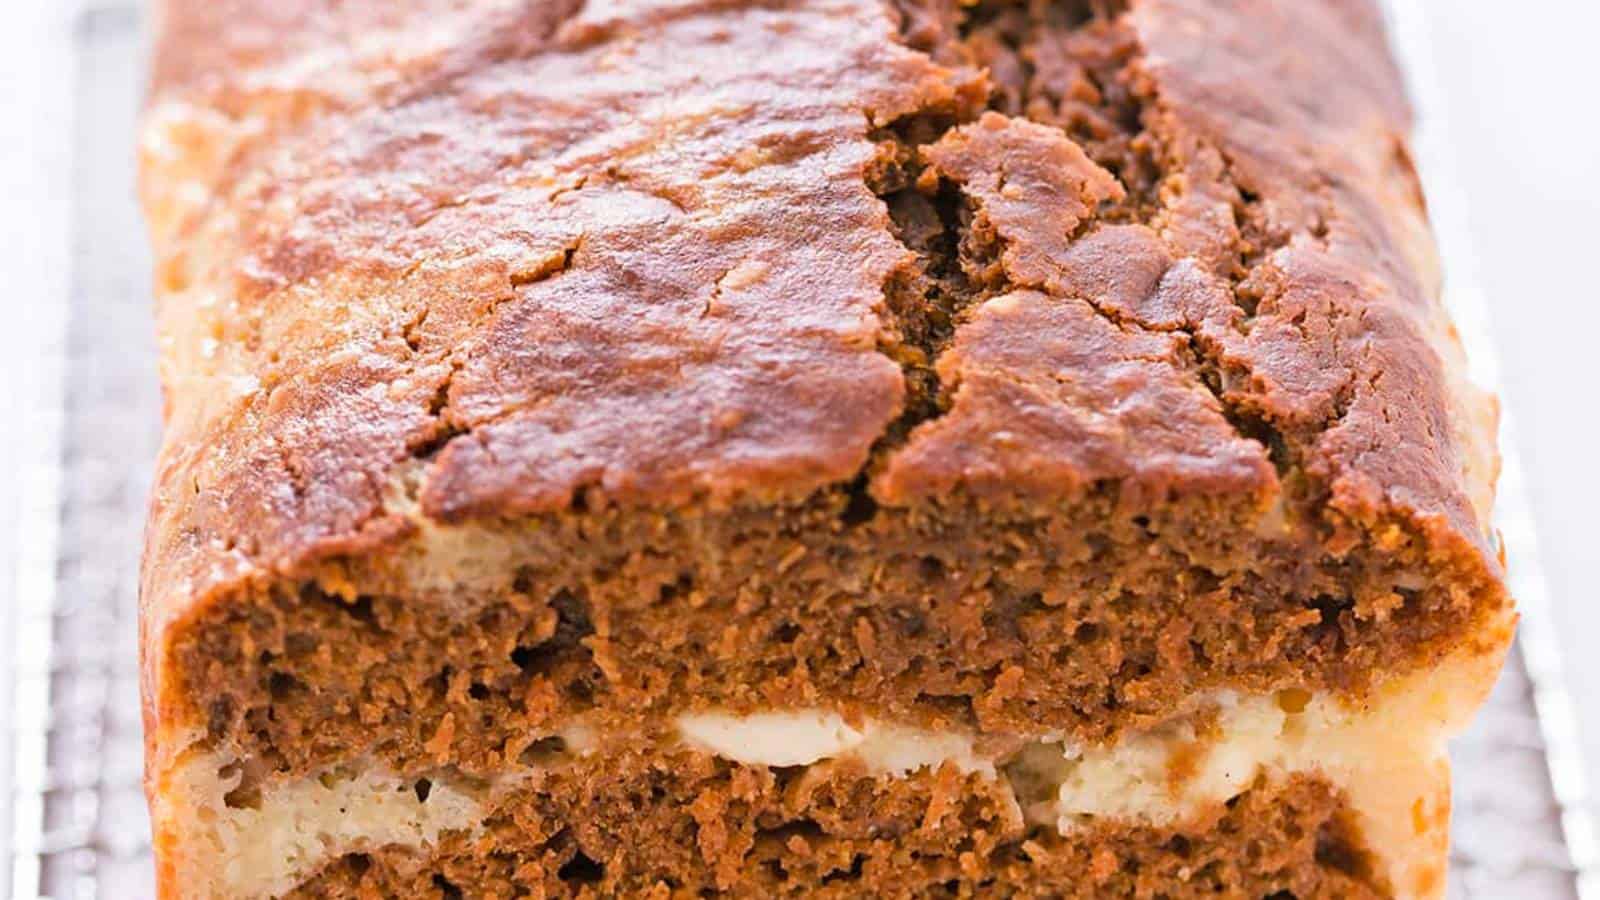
(447,260)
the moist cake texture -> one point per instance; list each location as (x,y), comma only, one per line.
(817,447)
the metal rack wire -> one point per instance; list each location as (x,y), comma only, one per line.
(78,827)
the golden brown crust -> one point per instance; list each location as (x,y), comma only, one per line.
(1033,374)
(376,285)
(384,283)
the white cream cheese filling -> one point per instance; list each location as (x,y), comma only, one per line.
(803,737)
(1387,756)
(265,849)
(1152,777)
(225,847)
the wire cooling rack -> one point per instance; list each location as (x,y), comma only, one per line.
(72,819)
(78,826)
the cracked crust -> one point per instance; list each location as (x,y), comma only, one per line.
(417,309)
(1012,364)
(367,291)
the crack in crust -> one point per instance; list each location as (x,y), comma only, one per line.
(1228,235)
(392,297)
(1076,67)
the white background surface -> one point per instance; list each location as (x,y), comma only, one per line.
(35,152)
(1520,83)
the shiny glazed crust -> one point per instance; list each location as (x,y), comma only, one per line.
(469,309)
